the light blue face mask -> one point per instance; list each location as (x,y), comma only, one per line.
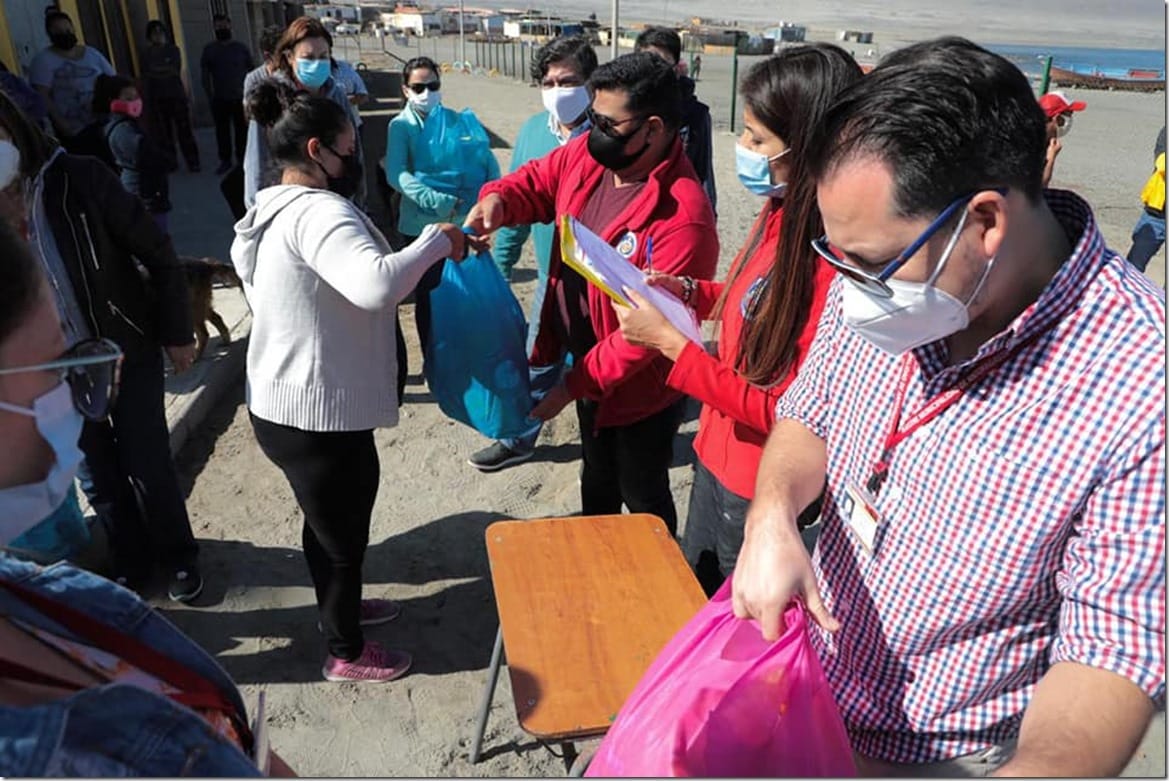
(23,507)
(754,169)
(313,73)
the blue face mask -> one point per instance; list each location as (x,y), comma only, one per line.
(313,73)
(24,507)
(754,171)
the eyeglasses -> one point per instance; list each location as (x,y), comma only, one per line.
(419,87)
(608,126)
(875,283)
(92,368)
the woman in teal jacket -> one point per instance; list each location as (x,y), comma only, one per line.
(437,158)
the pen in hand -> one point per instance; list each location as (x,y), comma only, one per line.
(649,254)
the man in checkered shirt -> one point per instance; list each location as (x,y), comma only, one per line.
(984,407)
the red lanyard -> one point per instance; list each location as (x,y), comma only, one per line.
(935,406)
(195,691)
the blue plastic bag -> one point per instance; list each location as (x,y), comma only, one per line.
(475,365)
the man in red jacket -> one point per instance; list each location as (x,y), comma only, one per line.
(630,182)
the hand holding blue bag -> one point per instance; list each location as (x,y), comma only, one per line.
(476,365)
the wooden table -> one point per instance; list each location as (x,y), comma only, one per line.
(585,605)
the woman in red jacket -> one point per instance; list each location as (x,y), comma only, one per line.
(768,306)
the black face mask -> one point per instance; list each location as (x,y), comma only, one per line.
(222,35)
(65,41)
(352,170)
(609,151)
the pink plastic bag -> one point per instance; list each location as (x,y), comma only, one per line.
(719,700)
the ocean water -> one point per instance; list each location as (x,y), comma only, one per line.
(1030,59)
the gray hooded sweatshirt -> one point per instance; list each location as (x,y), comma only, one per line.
(323,286)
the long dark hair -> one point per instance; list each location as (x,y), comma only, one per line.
(788,93)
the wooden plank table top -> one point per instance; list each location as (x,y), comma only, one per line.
(585,604)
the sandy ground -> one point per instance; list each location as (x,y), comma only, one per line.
(258,615)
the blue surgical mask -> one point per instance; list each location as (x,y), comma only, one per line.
(313,73)
(24,506)
(754,169)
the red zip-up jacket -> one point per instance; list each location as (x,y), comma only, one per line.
(628,382)
(736,415)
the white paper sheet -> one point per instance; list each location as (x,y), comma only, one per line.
(604,267)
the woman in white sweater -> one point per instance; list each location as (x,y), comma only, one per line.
(323,286)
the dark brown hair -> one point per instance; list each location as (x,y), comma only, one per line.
(298,30)
(788,93)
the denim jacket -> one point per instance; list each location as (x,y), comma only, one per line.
(115,729)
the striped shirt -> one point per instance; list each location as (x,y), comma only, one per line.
(1022,527)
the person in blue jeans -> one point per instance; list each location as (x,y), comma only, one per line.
(562,68)
(1148,235)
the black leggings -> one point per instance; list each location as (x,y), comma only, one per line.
(334,475)
(629,464)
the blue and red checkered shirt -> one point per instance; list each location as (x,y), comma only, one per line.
(1024,526)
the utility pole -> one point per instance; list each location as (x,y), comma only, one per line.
(462,39)
(613,34)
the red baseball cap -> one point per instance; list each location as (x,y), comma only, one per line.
(1056,103)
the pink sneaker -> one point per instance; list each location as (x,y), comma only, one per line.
(375,665)
(375,611)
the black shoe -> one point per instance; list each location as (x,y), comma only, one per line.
(224,167)
(497,455)
(185,584)
(194,168)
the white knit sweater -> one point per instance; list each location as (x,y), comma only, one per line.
(323,286)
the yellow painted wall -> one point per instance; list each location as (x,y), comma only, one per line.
(7,48)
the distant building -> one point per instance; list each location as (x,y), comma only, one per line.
(786,32)
(855,36)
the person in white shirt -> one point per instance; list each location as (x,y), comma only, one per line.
(323,286)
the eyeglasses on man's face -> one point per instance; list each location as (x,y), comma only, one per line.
(875,282)
(609,126)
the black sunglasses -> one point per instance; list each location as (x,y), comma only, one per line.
(92,368)
(609,126)
(419,87)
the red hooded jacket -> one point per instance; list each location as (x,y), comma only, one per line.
(629,382)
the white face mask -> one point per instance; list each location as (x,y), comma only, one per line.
(425,102)
(565,104)
(24,506)
(9,163)
(917,313)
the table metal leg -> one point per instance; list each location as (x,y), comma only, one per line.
(488,695)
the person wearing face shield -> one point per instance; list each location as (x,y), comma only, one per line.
(64,73)
(983,407)
(767,308)
(93,680)
(628,181)
(562,69)
(1060,111)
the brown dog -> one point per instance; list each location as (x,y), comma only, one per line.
(202,274)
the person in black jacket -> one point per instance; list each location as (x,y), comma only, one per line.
(695,129)
(88,232)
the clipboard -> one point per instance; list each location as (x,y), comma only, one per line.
(599,263)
